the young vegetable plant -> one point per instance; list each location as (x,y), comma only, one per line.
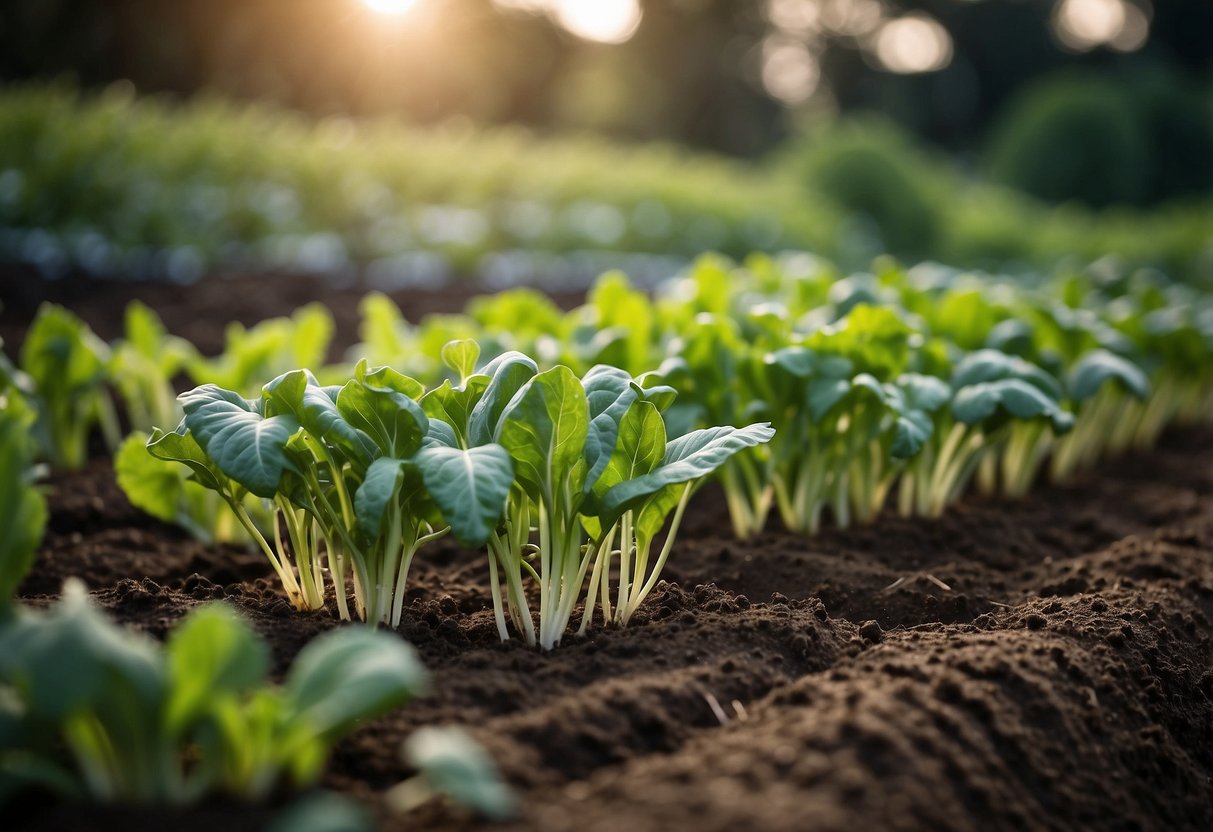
(22,507)
(568,436)
(149,724)
(1104,388)
(170,492)
(64,370)
(1001,405)
(450,763)
(142,367)
(272,347)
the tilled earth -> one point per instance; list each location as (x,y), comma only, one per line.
(1039,664)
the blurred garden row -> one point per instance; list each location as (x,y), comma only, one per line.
(145,188)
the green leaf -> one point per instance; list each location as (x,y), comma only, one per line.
(544,429)
(687,458)
(73,658)
(639,448)
(379,489)
(212,653)
(388,379)
(991,365)
(461,356)
(508,373)
(323,812)
(299,394)
(1098,367)
(912,431)
(22,507)
(393,420)
(609,395)
(455,765)
(470,487)
(151,484)
(1016,398)
(352,674)
(454,405)
(180,446)
(61,354)
(244,445)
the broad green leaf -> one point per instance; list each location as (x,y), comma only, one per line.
(454,404)
(470,487)
(912,430)
(507,373)
(639,447)
(61,354)
(180,446)
(244,445)
(1098,367)
(73,658)
(609,395)
(379,488)
(212,653)
(824,394)
(924,392)
(388,379)
(991,365)
(299,394)
(1016,398)
(461,356)
(22,507)
(393,420)
(151,484)
(352,674)
(544,428)
(453,764)
(686,459)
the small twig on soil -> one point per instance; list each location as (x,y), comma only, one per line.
(917,576)
(714,704)
(740,710)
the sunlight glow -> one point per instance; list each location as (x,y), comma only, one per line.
(390,7)
(605,21)
(1085,24)
(790,71)
(914,43)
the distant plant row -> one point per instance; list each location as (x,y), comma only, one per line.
(139,187)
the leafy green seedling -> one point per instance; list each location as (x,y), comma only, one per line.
(451,764)
(65,368)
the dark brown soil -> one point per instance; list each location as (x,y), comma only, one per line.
(1063,679)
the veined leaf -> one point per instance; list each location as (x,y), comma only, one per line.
(687,458)
(383,480)
(508,373)
(544,428)
(244,445)
(393,420)
(470,487)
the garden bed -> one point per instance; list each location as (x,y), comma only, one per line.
(1044,663)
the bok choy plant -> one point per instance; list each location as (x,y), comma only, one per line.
(22,506)
(593,466)
(91,710)
(996,399)
(143,364)
(64,368)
